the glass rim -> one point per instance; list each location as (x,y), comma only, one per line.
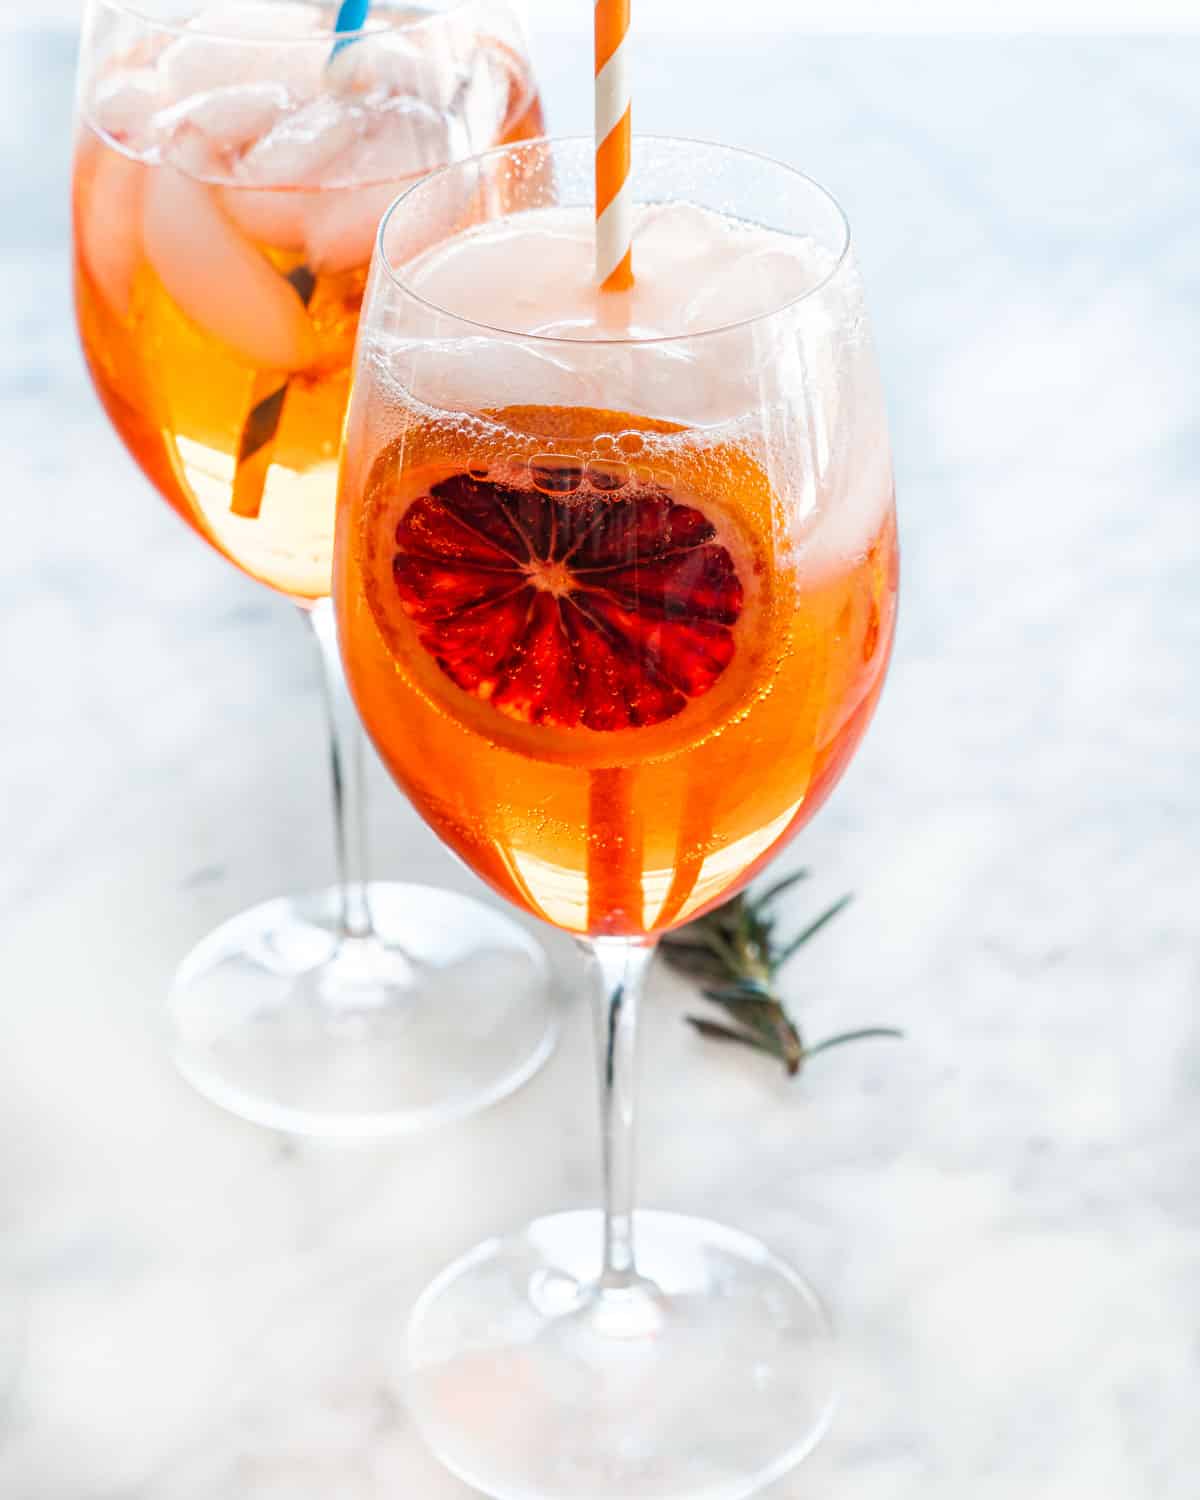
(560,340)
(135,10)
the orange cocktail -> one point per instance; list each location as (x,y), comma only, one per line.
(592,666)
(614,658)
(226,197)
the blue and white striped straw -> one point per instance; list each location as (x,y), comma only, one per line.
(351,16)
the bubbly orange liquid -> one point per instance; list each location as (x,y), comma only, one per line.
(180,398)
(602,830)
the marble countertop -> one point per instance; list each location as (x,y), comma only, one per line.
(1004,1210)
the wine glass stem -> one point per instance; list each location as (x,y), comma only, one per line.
(621,965)
(348,766)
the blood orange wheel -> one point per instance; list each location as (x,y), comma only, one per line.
(565,610)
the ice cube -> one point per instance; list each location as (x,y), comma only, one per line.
(123,106)
(845,422)
(535,277)
(213,51)
(445,69)
(192,152)
(261,20)
(110,186)
(682,233)
(401,140)
(480,104)
(395,64)
(754,280)
(301,146)
(264,197)
(222,283)
(277,217)
(473,373)
(678,249)
(232,117)
(340,225)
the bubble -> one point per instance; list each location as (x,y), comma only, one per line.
(605,443)
(645,475)
(664,479)
(607,474)
(477,470)
(555,474)
(631,443)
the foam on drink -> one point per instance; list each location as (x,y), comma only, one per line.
(537,267)
(745,319)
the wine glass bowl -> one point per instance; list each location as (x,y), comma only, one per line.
(231,167)
(616,606)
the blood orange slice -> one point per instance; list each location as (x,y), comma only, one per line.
(554,598)
(568,609)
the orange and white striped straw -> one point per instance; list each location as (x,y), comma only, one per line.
(614,139)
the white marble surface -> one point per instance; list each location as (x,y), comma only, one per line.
(1004,1210)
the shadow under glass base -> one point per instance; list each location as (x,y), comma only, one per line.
(707,1380)
(444,1010)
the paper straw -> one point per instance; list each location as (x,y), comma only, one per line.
(351,16)
(614,194)
(614,875)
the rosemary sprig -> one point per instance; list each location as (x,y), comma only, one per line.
(735,954)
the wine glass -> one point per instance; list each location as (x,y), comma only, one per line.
(615,576)
(231,166)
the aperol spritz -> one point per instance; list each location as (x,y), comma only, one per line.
(608,655)
(616,584)
(229,179)
(232,163)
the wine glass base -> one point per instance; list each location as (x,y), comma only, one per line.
(446,1008)
(525,1386)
